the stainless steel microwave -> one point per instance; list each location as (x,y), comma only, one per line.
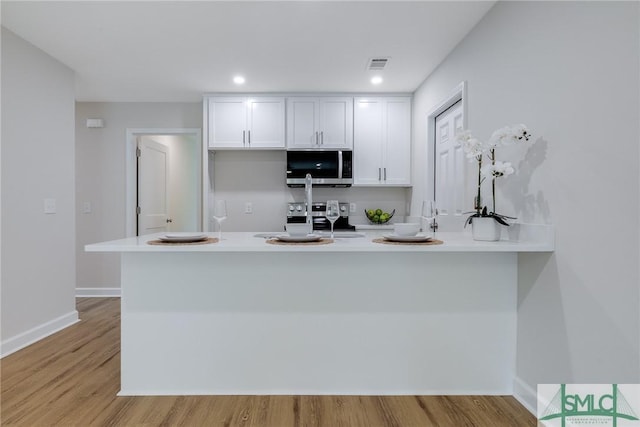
(331,168)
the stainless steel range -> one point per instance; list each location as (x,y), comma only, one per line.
(297,213)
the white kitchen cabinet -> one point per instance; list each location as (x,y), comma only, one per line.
(319,122)
(382,141)
(245,122)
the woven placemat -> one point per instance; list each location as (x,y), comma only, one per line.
(389,242)
(322,241)
(207,241)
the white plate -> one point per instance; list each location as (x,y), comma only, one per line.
(299,239)
(413,239)
(183,237)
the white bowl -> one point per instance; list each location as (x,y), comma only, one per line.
(298,229)
(406,228)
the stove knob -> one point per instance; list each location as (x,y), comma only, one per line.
(343,208)
(290,207)
(299,208)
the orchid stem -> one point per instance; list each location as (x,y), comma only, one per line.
(493,181)
(478,203)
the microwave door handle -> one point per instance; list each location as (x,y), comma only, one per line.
(339,164)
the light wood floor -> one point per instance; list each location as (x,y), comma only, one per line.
(72,378)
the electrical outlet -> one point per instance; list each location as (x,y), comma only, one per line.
(352,208)
(86,207)
(248,207)
(49,206)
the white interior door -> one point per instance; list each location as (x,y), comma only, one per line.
(449,169)
(153,186)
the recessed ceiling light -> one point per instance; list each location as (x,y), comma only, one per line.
(238,80)
(376,80)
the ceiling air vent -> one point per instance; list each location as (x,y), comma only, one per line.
(377,64)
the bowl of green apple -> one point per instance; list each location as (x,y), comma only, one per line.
(378,216)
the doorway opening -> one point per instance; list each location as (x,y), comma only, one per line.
(164,181)
(446,159)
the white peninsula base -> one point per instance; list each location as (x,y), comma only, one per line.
(318,322)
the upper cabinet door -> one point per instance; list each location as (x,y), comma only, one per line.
(320,122)
(336,122)
(302,122)
(243,123)
(265,122)
(368,142)
(382,141)
(227,122)
(396,155)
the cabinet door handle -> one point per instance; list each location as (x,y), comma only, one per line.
(385,174)
(243,137)
(322,138)
(379,174)
(249,137)
(316,138)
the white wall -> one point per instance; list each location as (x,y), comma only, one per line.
(38,250)
(569,70)
(100,176)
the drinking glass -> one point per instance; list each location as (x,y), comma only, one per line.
(220,214)
(429,213)
(333,212)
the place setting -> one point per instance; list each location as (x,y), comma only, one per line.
(183,238)
(302,233)
(195,238)
(409,232)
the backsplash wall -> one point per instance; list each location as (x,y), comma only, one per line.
(258,177)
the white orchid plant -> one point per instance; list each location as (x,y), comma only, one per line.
(477,150)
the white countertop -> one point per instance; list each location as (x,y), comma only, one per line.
(531,238)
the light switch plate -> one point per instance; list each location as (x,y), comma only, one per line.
(248,207)
(352,208)
(49,206)
(86,207)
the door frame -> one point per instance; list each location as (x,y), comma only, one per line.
(131,166)
(459,93)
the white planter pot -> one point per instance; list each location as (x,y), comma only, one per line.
(487,229)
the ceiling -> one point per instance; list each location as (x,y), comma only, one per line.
(178,50)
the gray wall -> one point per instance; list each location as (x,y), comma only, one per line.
(38,250)
(259,177)
(239,177)
(569,70)
(100,176)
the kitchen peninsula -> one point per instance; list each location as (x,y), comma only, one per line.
(352,317)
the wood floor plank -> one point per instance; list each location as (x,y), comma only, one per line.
(72,379)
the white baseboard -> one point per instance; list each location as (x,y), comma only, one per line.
(308,392)
(33,335)
(97,292)
(526,395)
